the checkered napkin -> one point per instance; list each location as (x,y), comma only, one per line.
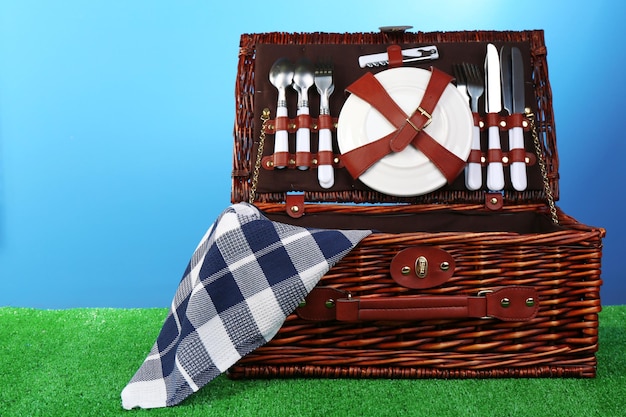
(243,280)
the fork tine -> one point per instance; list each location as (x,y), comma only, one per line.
(461,83)
(475,86)
(458,74)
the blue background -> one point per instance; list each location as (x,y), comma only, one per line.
(116,123)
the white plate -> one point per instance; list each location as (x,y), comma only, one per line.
(409,172)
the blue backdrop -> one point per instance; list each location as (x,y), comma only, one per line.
(116,123)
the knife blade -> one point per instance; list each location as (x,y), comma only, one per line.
(495,171)
(518,169)
(512,69)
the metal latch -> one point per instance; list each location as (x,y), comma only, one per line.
(421,267)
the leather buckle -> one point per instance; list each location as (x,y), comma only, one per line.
(424,113)
(483,293)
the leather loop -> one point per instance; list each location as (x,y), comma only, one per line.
(517,155)
(303,159)
(493,119)
(516,120)
(294,205)
(394,54)
(304,121)
(512,303)
(494,155)
(281,159)
(494,201)
(281,123)
(475,156)
(325,158)
(324,121)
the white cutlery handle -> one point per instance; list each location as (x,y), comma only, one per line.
(518,169)
(281,137)
(495,171)
(473,170)
(303,138)
(325,174)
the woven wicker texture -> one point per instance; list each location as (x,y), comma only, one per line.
(247,124)
(564,267)
(561,262)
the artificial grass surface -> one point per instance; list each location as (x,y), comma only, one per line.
(76,362)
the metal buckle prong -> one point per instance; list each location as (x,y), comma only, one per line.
(483,293)
(423,113)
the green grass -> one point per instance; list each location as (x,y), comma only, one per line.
(75,363)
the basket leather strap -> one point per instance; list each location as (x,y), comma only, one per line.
(514,303)
(409,128)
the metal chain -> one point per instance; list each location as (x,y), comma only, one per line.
(265,116)
(542,166)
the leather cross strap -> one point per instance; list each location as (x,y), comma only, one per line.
(515,303)
(410,128)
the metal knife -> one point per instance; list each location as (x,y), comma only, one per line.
(513,97)
(495,171)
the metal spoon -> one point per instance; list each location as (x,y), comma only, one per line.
(281,77)
(303,79)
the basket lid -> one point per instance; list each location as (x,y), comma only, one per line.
(255,95)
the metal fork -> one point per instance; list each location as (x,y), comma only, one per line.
(325,87)
(475,88)
(459,75)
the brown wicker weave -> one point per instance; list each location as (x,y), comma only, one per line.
(562,262)
(247,123)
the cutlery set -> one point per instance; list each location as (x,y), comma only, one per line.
(501,85)
(303,76)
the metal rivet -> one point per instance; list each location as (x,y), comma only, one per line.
(295,209)
(314,126)
(527,160)
(302,304)
(405,270)
(505,302)
(483,159)
(292,126)
(503,123)
(530,302)
(524,123)
(493,200)
(481,124)
(292,162)
(444,266)
(330,303)
(336,160)
(505,159)
(270,163)
(314,161)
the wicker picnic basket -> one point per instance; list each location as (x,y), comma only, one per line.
(511,239)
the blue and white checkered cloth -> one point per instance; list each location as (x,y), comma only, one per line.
(243,280)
